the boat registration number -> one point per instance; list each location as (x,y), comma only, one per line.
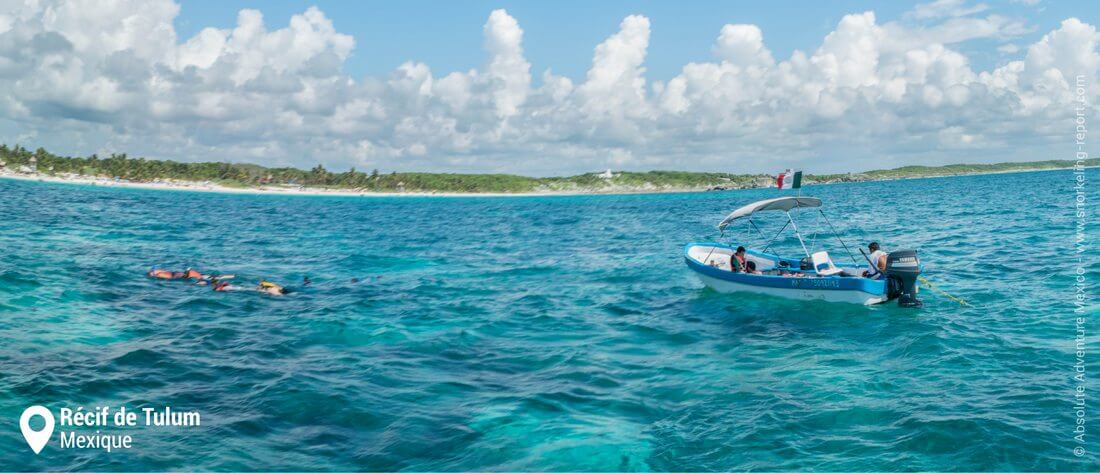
(816,283)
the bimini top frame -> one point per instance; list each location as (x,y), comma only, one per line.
(785,205)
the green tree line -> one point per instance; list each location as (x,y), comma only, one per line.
(121,166)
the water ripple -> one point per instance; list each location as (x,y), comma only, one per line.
(537,333)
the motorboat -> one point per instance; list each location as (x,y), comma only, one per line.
(812,276)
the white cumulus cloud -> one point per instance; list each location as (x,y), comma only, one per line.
(82,76)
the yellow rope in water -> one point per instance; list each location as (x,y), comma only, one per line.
(928,283)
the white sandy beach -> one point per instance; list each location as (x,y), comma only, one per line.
(178,185)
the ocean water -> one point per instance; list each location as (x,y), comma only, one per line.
(539,333)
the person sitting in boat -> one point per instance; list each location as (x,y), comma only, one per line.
(750,267)
(737,260)
(877,263)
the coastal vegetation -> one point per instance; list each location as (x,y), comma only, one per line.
(240,175)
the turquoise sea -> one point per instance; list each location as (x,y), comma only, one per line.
(539,333)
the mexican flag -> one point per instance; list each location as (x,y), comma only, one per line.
(789,180)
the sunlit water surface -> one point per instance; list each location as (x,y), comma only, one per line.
(550,333)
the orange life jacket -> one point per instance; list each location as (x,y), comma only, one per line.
(741,260)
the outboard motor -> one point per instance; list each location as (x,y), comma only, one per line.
(902,270)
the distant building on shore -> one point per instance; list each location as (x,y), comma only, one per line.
(606,175)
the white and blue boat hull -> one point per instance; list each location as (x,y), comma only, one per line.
(709,261)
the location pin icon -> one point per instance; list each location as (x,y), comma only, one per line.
(36,438)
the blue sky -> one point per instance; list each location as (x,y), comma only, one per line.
(550,88)
(560,34)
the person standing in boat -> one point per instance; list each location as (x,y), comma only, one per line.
(877,263)
(737,260)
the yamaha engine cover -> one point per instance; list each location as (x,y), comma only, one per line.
(902,270)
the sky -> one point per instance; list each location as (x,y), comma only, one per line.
(549,88)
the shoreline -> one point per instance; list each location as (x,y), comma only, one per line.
(189,186)
(210,187)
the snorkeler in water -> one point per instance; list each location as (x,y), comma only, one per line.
(227,287)
(208,279)
(265,287)
(272,288)
(166,274)
(189,274)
